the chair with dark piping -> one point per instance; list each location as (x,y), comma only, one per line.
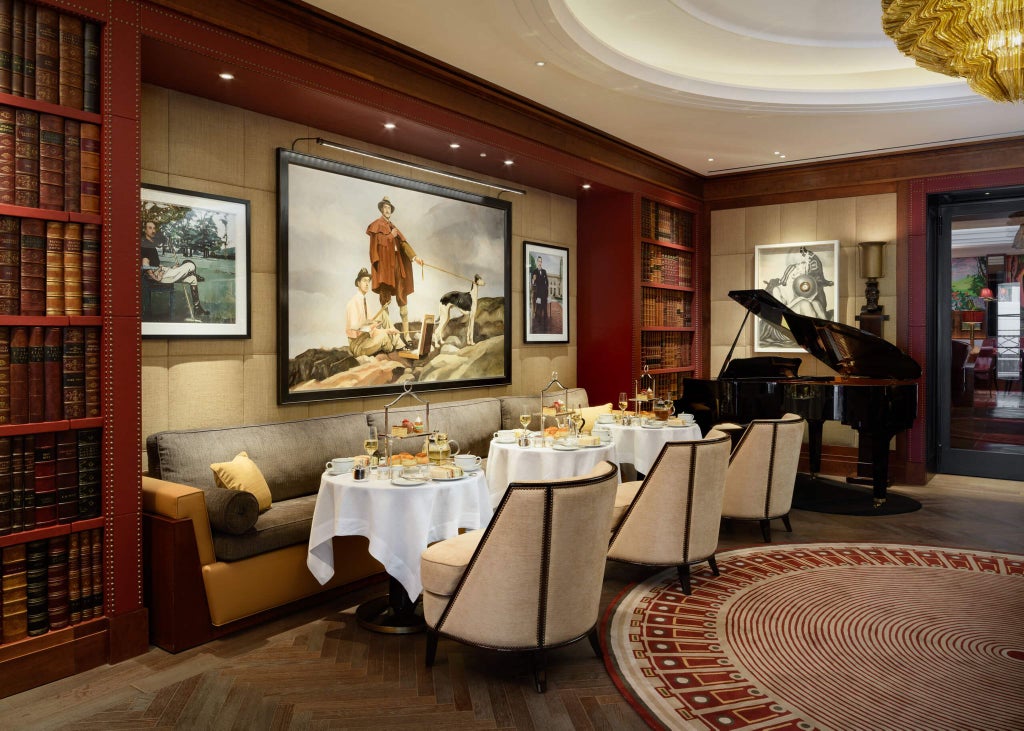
(762,472)
(532,579)
(672,517)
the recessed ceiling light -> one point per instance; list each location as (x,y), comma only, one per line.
(776,153)
(389,125)
(540,63)
(782,157)
(711,159)
(586,186)
(226,76)
(483,154)
(510,162)
(454,145)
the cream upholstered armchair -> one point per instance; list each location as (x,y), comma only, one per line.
(532,579)
(762,472)
(673,516)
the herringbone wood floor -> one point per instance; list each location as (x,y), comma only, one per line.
(317,669)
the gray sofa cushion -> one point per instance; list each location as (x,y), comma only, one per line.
(471,423)
(513,406)
(290,454)
(231,511)
(286,523)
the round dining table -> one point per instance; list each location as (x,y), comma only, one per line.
(508,462)
(400,521)
(640,445)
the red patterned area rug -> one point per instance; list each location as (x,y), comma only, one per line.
(826,636)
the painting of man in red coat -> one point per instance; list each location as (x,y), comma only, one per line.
(391,259)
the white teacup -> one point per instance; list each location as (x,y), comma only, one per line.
(468,462)
(340,465)
(505,436)
(603,434)
(606,418)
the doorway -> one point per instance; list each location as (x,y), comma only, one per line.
(976,252)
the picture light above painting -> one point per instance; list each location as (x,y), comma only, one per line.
(385,281)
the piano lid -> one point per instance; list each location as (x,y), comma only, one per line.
(845,349)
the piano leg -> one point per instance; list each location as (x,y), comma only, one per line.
(880,466)
(814,429)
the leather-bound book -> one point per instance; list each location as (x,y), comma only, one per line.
(54,268)
(72,165)
(85,567)
(89,140)
(19,375)
(57,602)
(29,65)
(36,563)
(14,592)
(45,487)
(47,55)
(5,485)
(7,134)
(53,368)
(71,62)
(91,54)
(5,374)
(26,158)
(17,484)
(96,539)
(33,266)
(28,494)
(6,40)
(74,372)
(36,375)
(93,357)
(18,48)
(89,461)
(67,476)
(10,265)
(72,269)
(91,269)
(74,578)
(51,162)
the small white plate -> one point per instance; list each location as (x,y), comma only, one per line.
(407,481)
(471,470)
(564,448)
(448,479)
(593,446)
(651,426)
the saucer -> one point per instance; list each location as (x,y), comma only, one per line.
(471,470)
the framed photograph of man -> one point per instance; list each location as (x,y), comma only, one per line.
(193,264)
(546,293)
(803,277)
(385,281)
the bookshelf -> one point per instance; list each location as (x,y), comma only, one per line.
(57,362)
(649,315)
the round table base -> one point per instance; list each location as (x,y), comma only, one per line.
(377,615)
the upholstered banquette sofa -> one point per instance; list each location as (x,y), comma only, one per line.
(215,563)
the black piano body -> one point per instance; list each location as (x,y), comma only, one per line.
(874,393)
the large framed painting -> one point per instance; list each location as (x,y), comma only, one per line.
(801,276)
(546,286)
(193,264)
(385,281)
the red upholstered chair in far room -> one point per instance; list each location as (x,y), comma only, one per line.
(985,367)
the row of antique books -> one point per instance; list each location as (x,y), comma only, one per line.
(49,267)
(665,223)
(51,584)
(48,161)
(49,56)
(49,373)
(661,308)
(49,478)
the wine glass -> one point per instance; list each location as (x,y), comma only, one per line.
(370,444)
(524,419)
(623,402)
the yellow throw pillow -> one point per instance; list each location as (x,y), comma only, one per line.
(241,473)
(590,414)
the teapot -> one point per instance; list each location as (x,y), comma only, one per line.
(440,448)
(663,408)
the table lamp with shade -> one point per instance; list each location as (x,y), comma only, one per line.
(872,268)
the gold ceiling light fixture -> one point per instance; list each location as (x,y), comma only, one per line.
(981,41)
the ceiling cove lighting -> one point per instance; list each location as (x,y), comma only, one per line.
(981,41)
(415,166)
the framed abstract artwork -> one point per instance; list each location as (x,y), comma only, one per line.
(193,264)
(385,281)
(545,288)
(801,276)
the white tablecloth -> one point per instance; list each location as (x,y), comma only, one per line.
(640,445)
(511,463)
(399,521)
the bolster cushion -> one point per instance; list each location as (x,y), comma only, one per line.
(232,511)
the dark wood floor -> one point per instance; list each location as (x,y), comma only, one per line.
(317,669)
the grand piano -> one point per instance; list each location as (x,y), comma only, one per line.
(875,391)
